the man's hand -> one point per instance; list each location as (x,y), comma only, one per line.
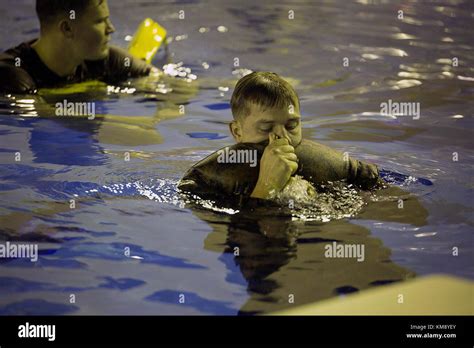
(277,165)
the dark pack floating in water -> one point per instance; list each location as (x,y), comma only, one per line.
(218,106)
(216,179)
(205,135)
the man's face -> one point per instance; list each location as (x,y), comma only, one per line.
(92,32)
(256,127)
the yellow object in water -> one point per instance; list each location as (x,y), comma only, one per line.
(147,40)
(76,88)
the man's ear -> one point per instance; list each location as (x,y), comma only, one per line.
(236,130)
(66,29)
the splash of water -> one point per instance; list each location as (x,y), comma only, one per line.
(161,191)
(337,200)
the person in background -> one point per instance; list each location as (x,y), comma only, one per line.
(73,46)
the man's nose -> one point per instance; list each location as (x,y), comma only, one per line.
(110,27)
(281,132)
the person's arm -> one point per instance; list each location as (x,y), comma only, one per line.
(261,191)
(227,183)
(121,65)
(364,175)
(320,164)
(197,184)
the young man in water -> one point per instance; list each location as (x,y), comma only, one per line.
(267,120)
(73,46)
(257,119)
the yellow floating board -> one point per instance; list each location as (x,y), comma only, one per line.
(147,40)
(432,295)
(81,87)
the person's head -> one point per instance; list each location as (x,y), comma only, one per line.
(264,103)
(83,25)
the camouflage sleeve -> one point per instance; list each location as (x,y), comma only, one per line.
(120,65)
(319,164)
(363,175)
(210,179)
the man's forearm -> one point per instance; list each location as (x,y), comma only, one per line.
(260,191)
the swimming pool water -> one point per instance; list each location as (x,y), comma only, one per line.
(130,245)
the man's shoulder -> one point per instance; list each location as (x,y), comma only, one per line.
(19,55)
(18,49)
(14,69)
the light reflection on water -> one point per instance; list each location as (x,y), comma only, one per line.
(180,247)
